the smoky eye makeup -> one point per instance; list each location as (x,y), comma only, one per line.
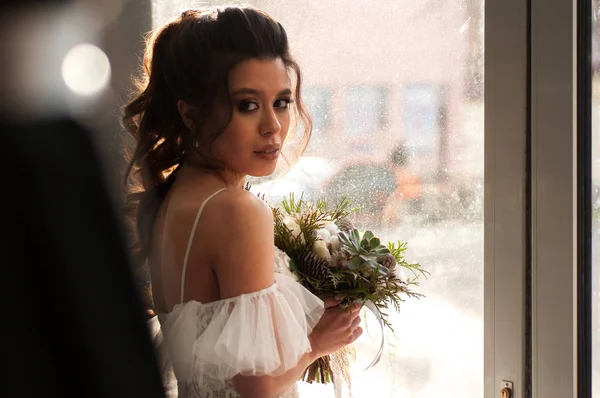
(283,103)
(247,106)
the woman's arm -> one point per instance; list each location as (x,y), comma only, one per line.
(244,263)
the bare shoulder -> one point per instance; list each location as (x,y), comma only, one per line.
(239,217)
(236,205)
(242,242)
(224,210)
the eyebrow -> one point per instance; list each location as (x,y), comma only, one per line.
(286,91)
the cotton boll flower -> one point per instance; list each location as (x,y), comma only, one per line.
(332,228)
(320,249)
(323,234)
(335,243)
(291,223)
(293,227)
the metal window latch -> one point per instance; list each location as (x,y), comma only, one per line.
(506,390)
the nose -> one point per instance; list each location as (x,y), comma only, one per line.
(270,124)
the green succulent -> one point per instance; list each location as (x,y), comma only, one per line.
(364,249)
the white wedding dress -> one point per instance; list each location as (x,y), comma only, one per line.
(202,346)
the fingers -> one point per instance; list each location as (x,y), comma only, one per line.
(353,317)
(343,317)
(356,307)
(331,302)
(356,334)
(355,322)
(335,301)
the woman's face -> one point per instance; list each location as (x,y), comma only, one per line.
(260,92)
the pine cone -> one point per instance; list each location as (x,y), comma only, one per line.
(345,225)
(314,267)
(388,261)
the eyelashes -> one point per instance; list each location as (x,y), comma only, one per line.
(283,103)
(248,106)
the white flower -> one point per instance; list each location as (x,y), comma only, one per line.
(320,249)
(322,233)
(332,228)
(288,219)
(293,227)
(335,243)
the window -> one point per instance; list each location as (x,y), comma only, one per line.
(366,111)
(425,125)
(318,104)
(424,109)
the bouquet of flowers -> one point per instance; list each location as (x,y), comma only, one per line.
(331,258)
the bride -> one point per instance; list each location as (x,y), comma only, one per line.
(217,97)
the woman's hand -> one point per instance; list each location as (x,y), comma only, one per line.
(337,328)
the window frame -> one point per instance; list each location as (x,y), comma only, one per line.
(554,222)
(532,154)
(505,195)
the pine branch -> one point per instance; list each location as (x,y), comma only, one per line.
(397,250)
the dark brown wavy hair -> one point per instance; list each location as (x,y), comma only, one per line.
(190,59)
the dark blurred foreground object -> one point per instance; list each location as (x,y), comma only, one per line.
(73,324)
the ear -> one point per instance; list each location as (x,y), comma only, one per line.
(185,111)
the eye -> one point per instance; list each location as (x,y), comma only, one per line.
(283,103)
(247,106)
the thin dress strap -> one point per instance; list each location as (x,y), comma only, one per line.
(189,245)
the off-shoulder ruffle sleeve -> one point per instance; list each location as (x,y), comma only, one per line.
(264,332)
